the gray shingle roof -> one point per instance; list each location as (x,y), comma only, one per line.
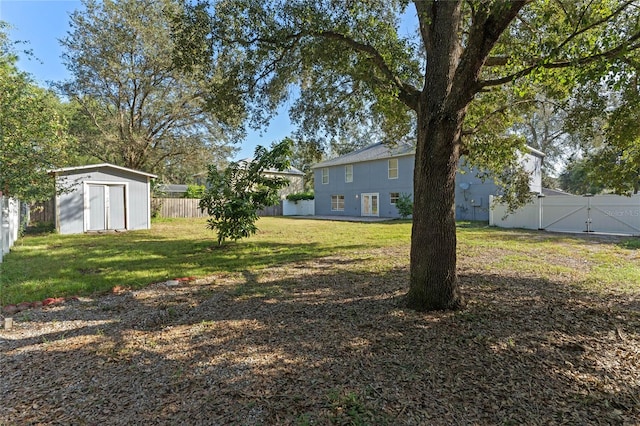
(552,192)
(380,151)
(369,153)
(171,187)
(290,171)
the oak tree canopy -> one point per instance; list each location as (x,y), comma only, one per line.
(455,82)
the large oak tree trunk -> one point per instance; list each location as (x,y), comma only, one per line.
(433,281)
(440,114)
(451,81)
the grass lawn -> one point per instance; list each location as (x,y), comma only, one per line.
(305,324)
(51,265)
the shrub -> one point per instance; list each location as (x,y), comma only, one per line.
(156,207)
(300,196)
(194,191)
(405,205)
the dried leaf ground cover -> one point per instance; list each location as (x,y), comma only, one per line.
(327,340)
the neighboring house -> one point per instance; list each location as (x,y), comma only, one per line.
(293,175)
(170,190)
(369,181)
(101,197)
(550,192)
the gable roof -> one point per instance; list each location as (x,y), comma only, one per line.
(376,151)
(99,166)
(552,192)
(290,171)
(172,187)
(381,151)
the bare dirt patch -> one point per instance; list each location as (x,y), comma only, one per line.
(327,341)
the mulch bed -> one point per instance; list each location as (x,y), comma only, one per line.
(327,342)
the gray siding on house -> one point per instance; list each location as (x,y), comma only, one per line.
(473,203)
(130,197)
(472,195)
(370,175)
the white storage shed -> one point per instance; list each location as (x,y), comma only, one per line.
(102,197)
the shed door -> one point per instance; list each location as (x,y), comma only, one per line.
(116,207)
(97,208)
(106,207)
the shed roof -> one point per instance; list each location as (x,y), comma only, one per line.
(99,166)
(381,151)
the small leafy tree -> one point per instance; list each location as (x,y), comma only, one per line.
(194,191)
(234,196)
(404,204)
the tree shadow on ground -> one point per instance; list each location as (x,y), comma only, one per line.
(321,343)
(96,264)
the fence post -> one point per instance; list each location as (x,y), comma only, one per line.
(1,227)
(540,211)
(4,225)
(14,221)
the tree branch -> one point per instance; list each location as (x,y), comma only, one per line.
(485,31)
(610,54)
(407,93)
(501,110)
(604,20)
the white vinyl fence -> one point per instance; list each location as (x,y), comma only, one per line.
(9,223)
(605,214)
(298,208)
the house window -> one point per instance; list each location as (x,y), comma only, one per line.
(348,173)
(393,168)
(337,203)
(394,196)
(325,175)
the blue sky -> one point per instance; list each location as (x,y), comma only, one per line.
(41,23)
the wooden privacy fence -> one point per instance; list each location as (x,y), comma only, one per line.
(177,207)
(42,212)
(189,207)
(271,210)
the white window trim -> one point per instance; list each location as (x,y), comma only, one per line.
(337,197)
(389,168)
(325,169)
(348,177)
(391,198)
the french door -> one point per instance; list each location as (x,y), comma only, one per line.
(370,204)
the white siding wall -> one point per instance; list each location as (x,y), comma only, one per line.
(71,204)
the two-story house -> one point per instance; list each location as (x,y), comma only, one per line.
(369,181)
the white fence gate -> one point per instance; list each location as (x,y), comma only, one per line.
(606,214)
(9,223)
